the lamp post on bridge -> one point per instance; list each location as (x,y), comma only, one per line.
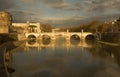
(112,26)
(67,31)
(67,35)
(82,31)
(82,34)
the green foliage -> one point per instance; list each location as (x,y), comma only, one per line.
(94,26)
(91,27)
(7,37)
(46,28)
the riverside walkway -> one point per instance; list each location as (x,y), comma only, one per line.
(3,67)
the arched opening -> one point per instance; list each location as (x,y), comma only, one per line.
(90,39)
(31,37)
(75,39)
(31,42)
(46,39)
(32,29)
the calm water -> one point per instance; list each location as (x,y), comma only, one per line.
(65,59)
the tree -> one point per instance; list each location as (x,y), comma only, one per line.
(46,28)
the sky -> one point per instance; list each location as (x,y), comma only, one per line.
(61,13)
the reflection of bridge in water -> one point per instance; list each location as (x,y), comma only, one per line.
(54,44)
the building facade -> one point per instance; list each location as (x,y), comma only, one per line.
(27,27)
(5,22)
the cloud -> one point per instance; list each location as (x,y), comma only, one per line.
(67,6)
(22,16)
(116,4)
(5,5)
(94,9)
(103,5)
(44,1)
(109,17)
(77,20)
(74,17)
(65,21)
(27,1)
(61,4)
(53,1)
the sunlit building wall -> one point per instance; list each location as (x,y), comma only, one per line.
(5,22)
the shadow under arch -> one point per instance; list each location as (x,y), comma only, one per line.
(32,41)
(75,39)
(46,37)
(90,39)
(31,37)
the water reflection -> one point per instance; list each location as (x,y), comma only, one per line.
(56,43)
(75,41)
(81,59)
(8,62)
(46,41)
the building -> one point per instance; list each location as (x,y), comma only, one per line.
(31,27)
(5,22)
(116,25)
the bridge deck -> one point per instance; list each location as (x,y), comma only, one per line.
(3,70)
(59,33)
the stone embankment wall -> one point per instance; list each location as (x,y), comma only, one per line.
(7,37)
(111,37)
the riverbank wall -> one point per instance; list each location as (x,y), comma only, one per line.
(111,37)
(5,37)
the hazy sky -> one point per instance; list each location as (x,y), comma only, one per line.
(61,13)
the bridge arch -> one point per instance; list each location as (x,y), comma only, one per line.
(68,36)
(75,37)
(85,35)
(45,36)
(46,42)
(31,42)
(31,35)
(90,37)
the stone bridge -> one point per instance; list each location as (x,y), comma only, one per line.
(53,35)
(33,30)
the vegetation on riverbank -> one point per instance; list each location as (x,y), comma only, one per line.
(7,37)
(109,43)
(110,31)
(111,37)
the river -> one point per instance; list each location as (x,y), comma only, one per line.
(62,58)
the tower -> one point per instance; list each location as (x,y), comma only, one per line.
(5,22)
